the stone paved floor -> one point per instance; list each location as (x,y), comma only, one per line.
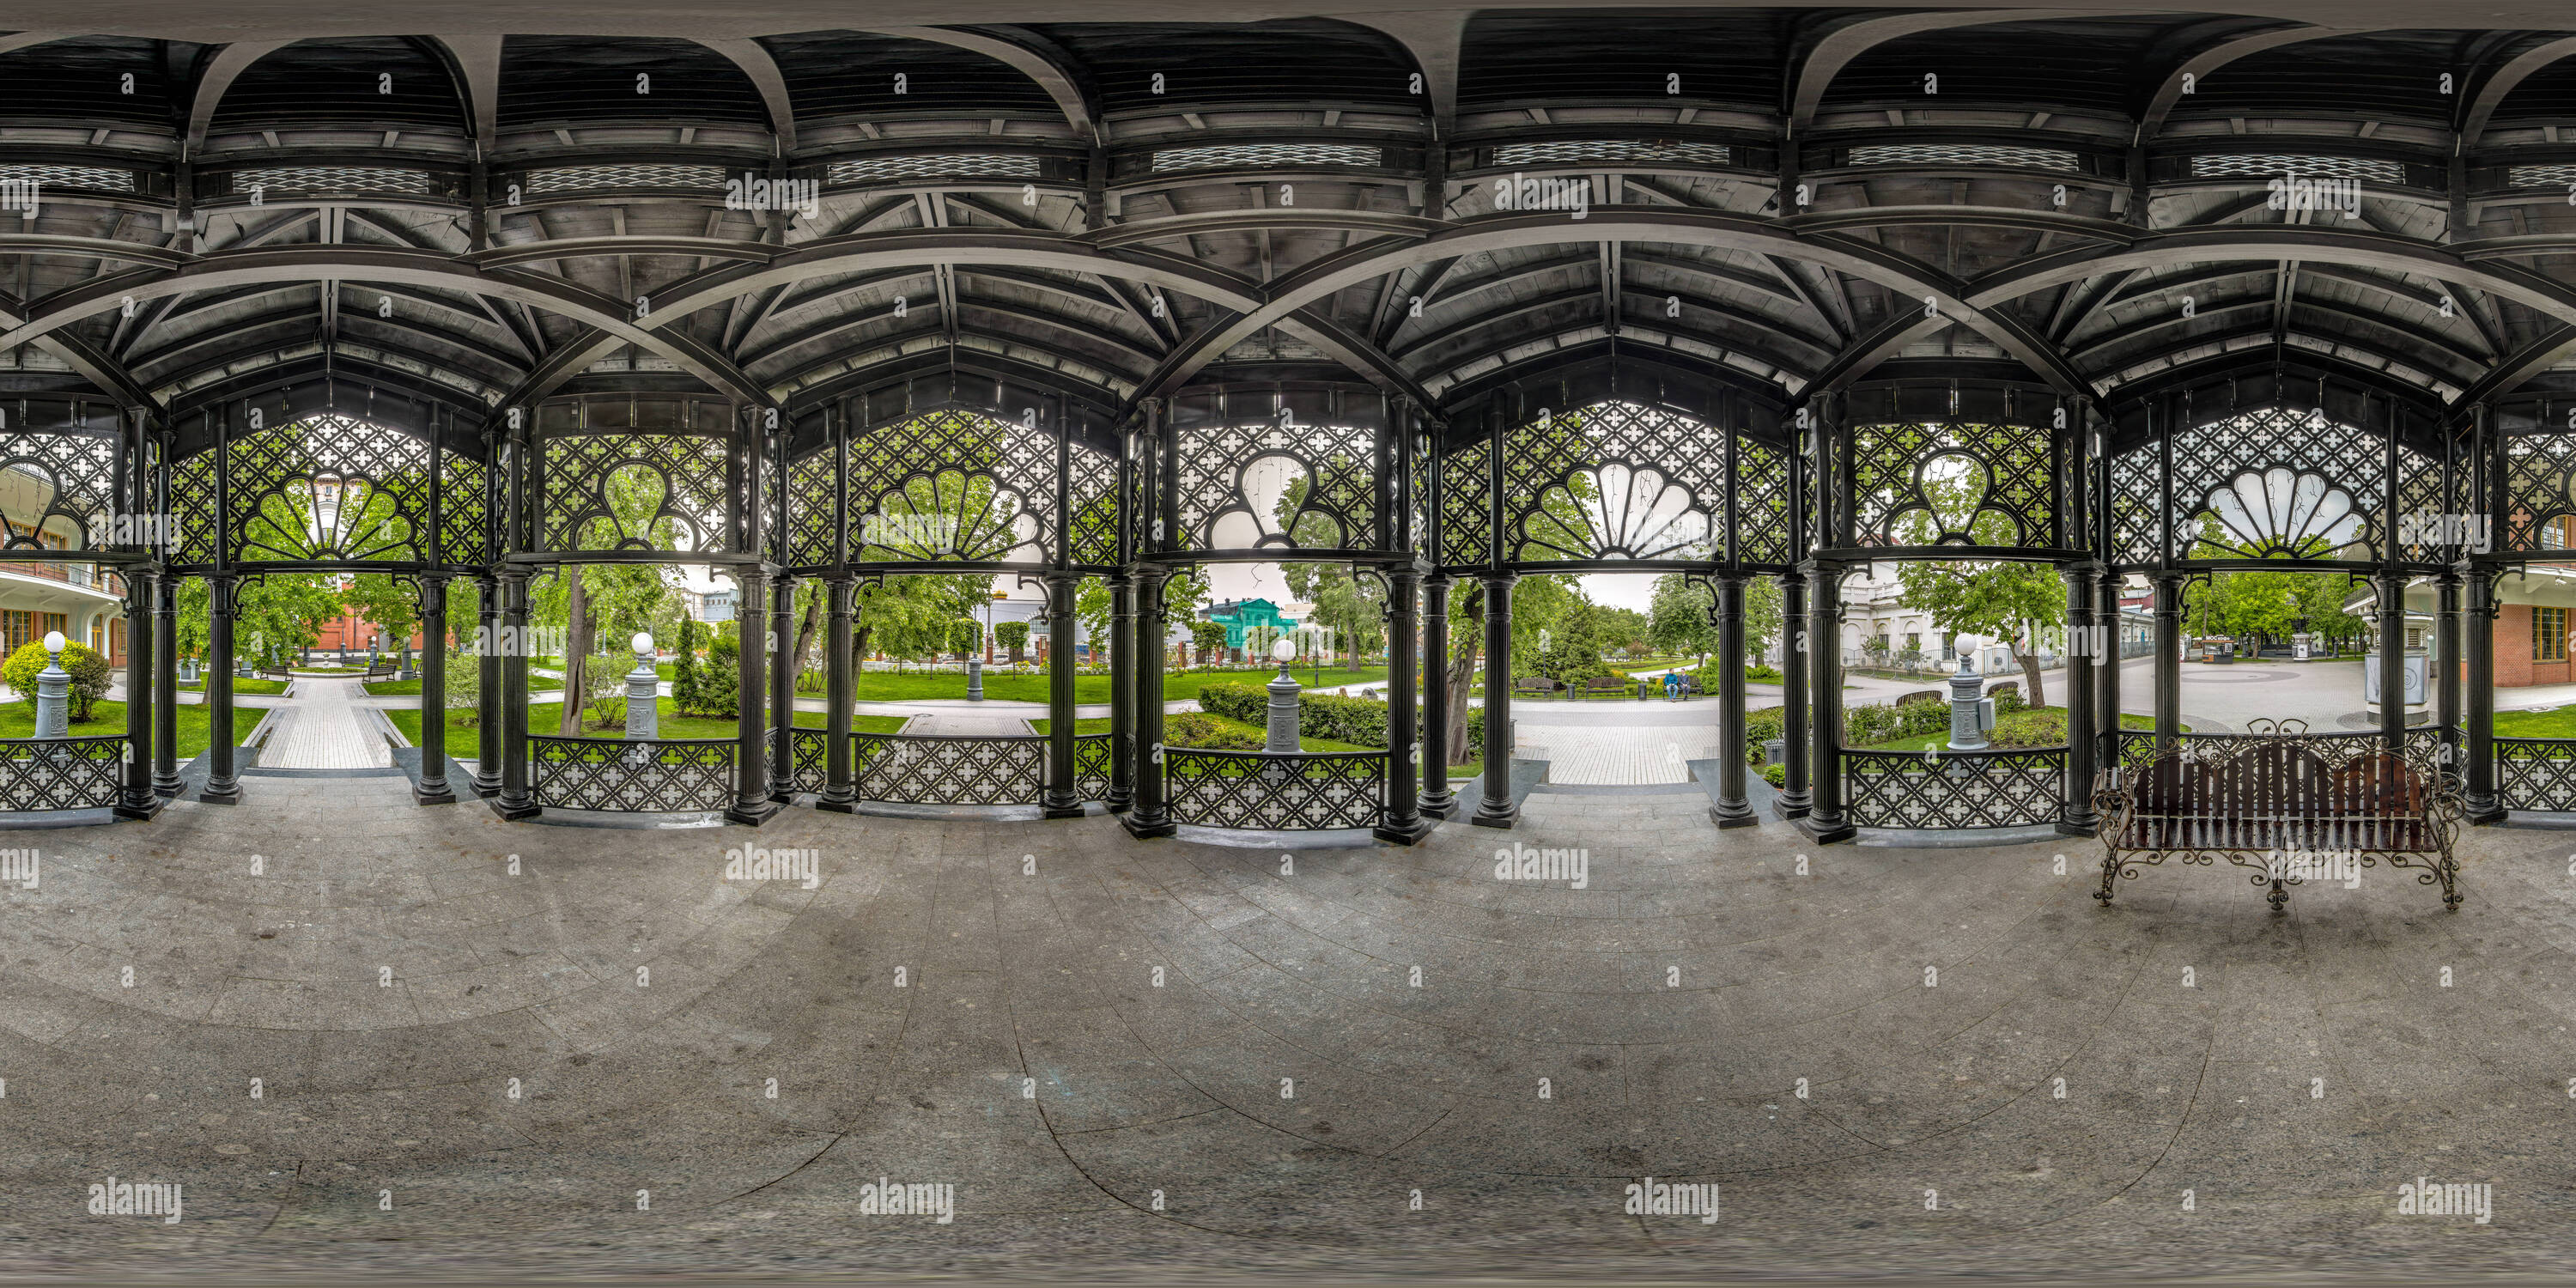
(323,730)
(977,1004)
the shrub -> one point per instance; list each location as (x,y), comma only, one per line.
(1762,671)
(1244,702)
(465,684)
(684,668)
(2037,727)
(91,674)
(1761,727)
(1361,721)
(1776,775)
(2008,702)
(1872,723)
(719,685)
(1199,729)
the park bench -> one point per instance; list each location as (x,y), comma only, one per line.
(1921,695)
(381,671)
(1610,685)
(1534,686)
(1652,686)
(275,671)
(2290,806)
(2002,687)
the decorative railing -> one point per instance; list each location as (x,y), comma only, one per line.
(1275,791)
(2423,747)
(2017,787)
(61,773)
(938,769)
(808,749)
(2536,773)
(632,775)
(1092,756)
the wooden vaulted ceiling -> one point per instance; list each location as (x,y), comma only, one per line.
(1791,197)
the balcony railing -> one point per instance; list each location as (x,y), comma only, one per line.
(74,574)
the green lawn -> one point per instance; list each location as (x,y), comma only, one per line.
(411,688)
(270,688)
(892,686)
(2138,722)
(1100,724)
(465,741)
(18,720)
(2557,722)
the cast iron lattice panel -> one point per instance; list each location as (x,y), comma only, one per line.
(1303,792)
(2135,494)
(1639,151)
(318,180)
(1762,504)
(2420,493)
(809,748)
(2536,773)
(1253,156)
(566,180)
(952,165)
(1614,480)
(192,510)
(1962,789)
(688,469)
(1980,154)
(2422,747)
(73,477)
(2265,165)
(930,769)
(633,776)
(1466,513)
(462,518)
(1226,492)
(1091,759)
(813,508)
(90,178)
(953,486)
(2538,472)
(2010,497)
(61,773)
(2221,454)
(329,488)
(1093,507)
(2541,176)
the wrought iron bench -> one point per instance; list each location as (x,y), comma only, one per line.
(277,672)
(2284,803)
(1534,686)
(381,671)
(2002,687)
(1601,686)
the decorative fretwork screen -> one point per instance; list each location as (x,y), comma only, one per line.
(2282,484)
(2539,492)
(57,490)
(1278,486)
(329,489)
(634,492)
(951,486)
(1954,483)
(1620,481)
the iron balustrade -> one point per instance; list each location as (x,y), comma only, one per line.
(632,775)
(2006,787)
(2536,774)
(2423,746)
(1092,756)
(943,769)
(1275,791)
(61,773)
(808,748)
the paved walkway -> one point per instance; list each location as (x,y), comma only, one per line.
(323,731)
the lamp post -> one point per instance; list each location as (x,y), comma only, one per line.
(643,692)
(1283,700)
(53,692)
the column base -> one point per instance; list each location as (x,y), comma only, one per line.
(511,813)
(140,813)
(1143,830)
(752,815)
(227,794)
(2073,827)
(487,788)
(1793,804)
(1118,803)
(165,787)
(829,805)
(1826,834)
(1731,814)
(1504,814)
(442,795)
(1409,832)
(1052,809)
(1441,804)
(2486,815)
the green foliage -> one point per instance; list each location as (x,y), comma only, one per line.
(273,615)
(1198,729)
(1206,637)
(464,682)
(1869,724)
(1760,727)
(385,603)
(1012,635)
(719,687)
(912,616)
(2006,703)
(1776,775)
(2041,728)
(1361,721)
(91,674)
(685,675)
(965,636)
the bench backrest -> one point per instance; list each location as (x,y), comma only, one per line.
(1535,684)
(1919,695)
(1607,682)
(2276,795)
(2001,688)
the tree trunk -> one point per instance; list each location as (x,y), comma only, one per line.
(1466,637)
(576,653)
(2030,671)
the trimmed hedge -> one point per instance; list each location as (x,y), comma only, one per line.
(1199,729)
(1760,727)
(1358,721)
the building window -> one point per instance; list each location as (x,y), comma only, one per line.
(2549,635)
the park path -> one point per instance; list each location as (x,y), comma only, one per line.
(322,730)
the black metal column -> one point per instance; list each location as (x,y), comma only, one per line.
(141,801)
(432,788)
(2390,590)
(514,800)
(1122,692)
(751,803)
(782,689)
(1795,797)
(2446,660)
(2106,671)
(1148,818)
(1825,821)
(2084,645)
(1438,801)
(165,685)
(1730,809)
(1402,822)
(223,781)
(2168,659)
(487,687)
(1497,808)
(1061,799)
(2478,798)
(840,631)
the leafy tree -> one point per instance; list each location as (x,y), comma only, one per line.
(273,615)
(1013,636)
(2012,602)
(1206,638)
(90,674)
(465,683)
(965,637)
(1677,618)
(684,668)
(381,601)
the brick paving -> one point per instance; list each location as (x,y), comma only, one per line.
(323,730)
